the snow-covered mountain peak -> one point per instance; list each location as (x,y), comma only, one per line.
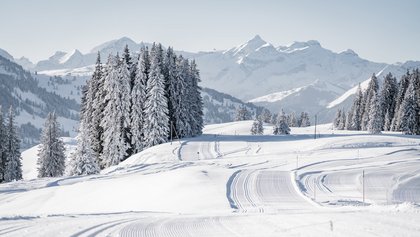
(72,55)
(349,52)
(250,46)
(57,56)
(115,45)
(298,45)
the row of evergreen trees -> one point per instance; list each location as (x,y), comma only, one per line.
(10,157)
(134,102)
(393,107)
(282,122)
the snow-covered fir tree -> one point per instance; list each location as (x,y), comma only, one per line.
(281,127)
(387,100)
(274,119)
(266,115)
(292,120)
(196,117)
(409,110)
(180,101)
(13,166)
(304,120)
(156,124)
(372,89)
(115,114)
(51,157)
(357,110)
(3,154)
(124,84)
(257,127)
(375,124)
(342,121)
(95,130)
(172,90)
(242,114)
(402,88)
(138,101)
(337,118)
(83,160)
(349,120)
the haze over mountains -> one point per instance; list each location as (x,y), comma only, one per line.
(302,76)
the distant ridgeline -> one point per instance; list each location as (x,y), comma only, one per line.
(137,101)
(31,102)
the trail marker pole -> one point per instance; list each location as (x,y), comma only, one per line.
(315,126)
(363,187)
(171,132)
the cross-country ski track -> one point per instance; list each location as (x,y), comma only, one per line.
(229,183)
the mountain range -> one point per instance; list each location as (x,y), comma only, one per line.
(302,76)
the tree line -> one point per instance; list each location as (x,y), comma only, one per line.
(134,102)
(10,157)
(393,107)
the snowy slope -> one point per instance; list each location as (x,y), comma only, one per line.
(222,184)
(33,97)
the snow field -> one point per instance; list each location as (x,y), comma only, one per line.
(229,183)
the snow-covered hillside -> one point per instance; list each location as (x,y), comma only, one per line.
(34,96)
(229,183)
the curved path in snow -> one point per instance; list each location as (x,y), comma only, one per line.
(264,190)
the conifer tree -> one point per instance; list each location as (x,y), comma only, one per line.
(138,98)
(51,157)
(115,118)
(83,161)
(124,87)
(3,142)
(293,120)
(157,119)
(304,120)
(95,132)
(266,116)
(337,118)
(197,122)
(281,126)
(171,89)
(13,167)
(388,100)
(372,89)
(376,120)
(242,114)
(349,120)
(257,127)
(409,110)
(357,110)
(181,101)
(342,120)
(402,88)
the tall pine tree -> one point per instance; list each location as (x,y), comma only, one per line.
(157,120)
(388,100)
(115,114)
(372,89)
(409,110)
(138,100)
(83,161)
(13,167)
(51,161)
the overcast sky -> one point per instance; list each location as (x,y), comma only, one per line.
(378,30)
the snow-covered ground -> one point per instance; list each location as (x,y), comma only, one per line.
(229,183)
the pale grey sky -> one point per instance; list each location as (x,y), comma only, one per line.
(378,30)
